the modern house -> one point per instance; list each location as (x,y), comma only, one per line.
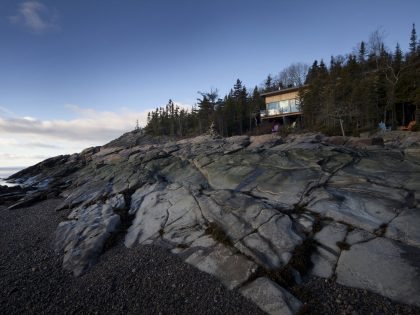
(282,105)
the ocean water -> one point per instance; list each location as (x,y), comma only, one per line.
(5,172)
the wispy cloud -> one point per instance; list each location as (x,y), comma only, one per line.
(20,135)
(42,145)
(91,125)
(7,141)
(22,157)
(6,112)
(20,160)
(36,17)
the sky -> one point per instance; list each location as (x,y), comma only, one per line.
(79,73)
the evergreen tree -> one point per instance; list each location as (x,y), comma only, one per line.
(268,84)
(362,52)
(413,40)
(398,58)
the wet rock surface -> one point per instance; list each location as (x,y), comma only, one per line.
(245,208)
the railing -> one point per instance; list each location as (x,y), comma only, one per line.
(276,112)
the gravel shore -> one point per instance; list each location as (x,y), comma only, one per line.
(141,280)
(323,296)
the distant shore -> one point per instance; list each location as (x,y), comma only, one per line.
(5,172)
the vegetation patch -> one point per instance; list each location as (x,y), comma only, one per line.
(117,237)
(126,220)
(182,246)
(218,234)
(282,276)
(381,230)
(317,226)
(343,245)
(301,259)
(299,208)
(112,241)
(415,128)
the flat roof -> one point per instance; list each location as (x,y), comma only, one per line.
(282,91)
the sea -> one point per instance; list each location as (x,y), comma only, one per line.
(5,172)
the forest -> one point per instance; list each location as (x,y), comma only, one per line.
(369,85)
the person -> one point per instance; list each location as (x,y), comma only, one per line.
(275,128)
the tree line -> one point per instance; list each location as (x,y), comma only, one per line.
(360,89)
(234,114)
(365,87)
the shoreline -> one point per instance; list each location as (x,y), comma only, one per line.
(143,279)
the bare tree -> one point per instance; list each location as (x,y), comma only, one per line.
(376,42)
(293,76)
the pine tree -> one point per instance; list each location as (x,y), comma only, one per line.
(362,52)
(268,84)
(398,56)
(413,40)
(237,89)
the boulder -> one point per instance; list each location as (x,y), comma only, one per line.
(271,297)
(405,227)
(231,268)
(364,142)
(324,258)
(83,236)
(383,266)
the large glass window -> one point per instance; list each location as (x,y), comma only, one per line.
(293,106)
(273,106)
(284,106)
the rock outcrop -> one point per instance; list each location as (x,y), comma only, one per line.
(256,212)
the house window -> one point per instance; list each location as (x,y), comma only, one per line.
(283,107)
(273,106)
(293,105)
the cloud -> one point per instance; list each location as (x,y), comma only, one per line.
(22,157)
(8,160)
(5,112)
(42,145)
(46,138)
(5,141)
(91,125)
(36,17)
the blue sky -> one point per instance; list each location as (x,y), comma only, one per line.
(95,66)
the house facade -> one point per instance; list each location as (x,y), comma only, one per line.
(281,103)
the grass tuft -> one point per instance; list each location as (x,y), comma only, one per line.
(218,234)
(343,245)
